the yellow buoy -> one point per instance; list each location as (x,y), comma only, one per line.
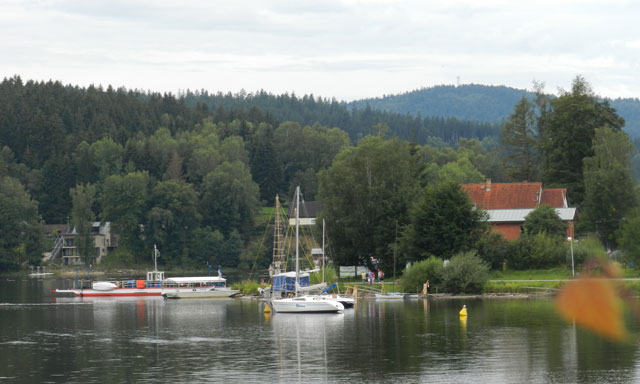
(463,323)
(267,308)
(463,311)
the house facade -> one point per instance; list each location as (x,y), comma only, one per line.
(508,204)
(307,217)
(308,212)
(65,239)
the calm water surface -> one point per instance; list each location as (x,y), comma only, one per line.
(44,339)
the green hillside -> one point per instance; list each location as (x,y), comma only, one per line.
(473,102)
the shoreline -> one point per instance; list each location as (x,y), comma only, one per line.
(493,296)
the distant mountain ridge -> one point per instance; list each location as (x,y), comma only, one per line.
(474,102)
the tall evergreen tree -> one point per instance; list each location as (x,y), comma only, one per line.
(53,191)
(265,167)
(519,142)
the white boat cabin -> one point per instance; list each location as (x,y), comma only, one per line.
(202,281)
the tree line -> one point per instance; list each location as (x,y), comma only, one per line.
(191,176)
(356,121)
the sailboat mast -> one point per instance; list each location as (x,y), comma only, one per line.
(155,258)
(279,264)
(323,250)
(297,232)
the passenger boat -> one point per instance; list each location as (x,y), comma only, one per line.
(154,285)
(191,288)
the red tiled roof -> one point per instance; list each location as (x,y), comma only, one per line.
(554,197)
(505,195)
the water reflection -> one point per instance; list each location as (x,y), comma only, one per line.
(149,339)
(303,339)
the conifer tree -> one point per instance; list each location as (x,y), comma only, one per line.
(519,141)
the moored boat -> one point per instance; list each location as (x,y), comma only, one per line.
(305,303)
(39,274)
(170,288)
(346,301)
(154,285)
(205,287)
(390,296)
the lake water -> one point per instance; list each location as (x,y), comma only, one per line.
(47,339)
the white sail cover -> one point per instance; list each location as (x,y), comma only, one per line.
(314,287)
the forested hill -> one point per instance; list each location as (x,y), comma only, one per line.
(491,104)
(357,122)
(45,128)
(467,102)
(188,173)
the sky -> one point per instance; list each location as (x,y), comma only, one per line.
(343,49)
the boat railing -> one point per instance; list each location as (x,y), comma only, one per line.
(211,284)
(138,284)
(84,284)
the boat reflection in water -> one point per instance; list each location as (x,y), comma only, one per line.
(303,342)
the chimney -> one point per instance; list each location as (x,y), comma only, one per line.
(488,185)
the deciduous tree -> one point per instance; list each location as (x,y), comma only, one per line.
(569,135)
(229,198)
(544,219)
(82,217)
(609,183)
(365,192)
(18,217)
(124,201)
(443,223)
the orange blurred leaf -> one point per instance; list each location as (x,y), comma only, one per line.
(593,304)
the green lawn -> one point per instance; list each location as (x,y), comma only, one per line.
(550,274)
(532,274)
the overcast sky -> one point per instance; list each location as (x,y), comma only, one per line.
(343,49)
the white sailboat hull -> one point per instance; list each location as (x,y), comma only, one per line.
(306,304)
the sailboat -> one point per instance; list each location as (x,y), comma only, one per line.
(304,303)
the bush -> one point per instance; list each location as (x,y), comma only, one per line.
(544,219)
(421,272)
(247,287)
(537,251)
(494,250)
(330,276)
(119,258)
(465,272)
(585,249)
